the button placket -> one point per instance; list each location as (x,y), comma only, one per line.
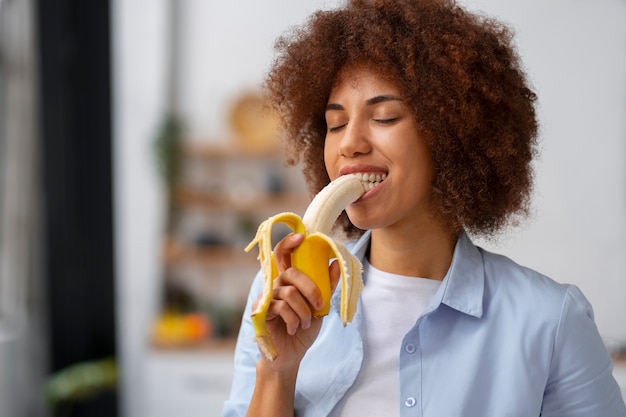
(410,372)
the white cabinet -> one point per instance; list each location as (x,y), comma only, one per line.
(188,383)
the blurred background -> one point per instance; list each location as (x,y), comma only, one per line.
(135,164)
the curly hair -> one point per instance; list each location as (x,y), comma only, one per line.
(463,79)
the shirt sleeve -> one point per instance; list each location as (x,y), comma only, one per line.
(246,356)
(581,382)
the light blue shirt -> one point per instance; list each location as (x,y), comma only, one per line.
(497,340)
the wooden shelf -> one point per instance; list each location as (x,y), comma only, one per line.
(195,150)
(213,256)
(252,203)
(201,347)
(220,198)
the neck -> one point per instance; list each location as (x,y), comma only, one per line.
(425,252)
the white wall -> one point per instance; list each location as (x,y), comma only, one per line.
(574,52)
(138,71)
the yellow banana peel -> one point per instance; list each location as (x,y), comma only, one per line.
(312,256)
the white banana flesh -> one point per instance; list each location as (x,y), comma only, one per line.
(328,204)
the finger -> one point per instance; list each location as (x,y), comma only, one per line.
(305,286)
(292,308)
(279,309)
(282,251)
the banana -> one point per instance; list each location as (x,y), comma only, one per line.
(312,255)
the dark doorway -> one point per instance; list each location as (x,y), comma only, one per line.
(75,114)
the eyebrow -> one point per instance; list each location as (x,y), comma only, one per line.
(369,102)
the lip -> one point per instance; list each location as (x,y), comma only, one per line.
(361,168)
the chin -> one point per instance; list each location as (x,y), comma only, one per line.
(363,224)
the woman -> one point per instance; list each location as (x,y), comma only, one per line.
(433,99)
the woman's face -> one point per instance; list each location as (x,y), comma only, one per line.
(370,129)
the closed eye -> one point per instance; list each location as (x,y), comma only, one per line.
(335,128)
(387,121)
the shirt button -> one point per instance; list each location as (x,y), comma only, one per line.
(410,402)
(410,348)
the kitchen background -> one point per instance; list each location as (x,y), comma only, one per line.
(134,168)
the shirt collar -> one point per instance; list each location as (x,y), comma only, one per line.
(463,286)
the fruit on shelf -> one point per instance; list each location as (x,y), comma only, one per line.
(180,329)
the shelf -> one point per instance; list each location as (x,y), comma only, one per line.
(244,202)
(195,150)
(211,256)
(221,197)
(225,345)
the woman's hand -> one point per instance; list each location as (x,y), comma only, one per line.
(290,322)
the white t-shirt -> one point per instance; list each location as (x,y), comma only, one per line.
(391,306)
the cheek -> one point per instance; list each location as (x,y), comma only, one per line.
(330,157)
(418,163)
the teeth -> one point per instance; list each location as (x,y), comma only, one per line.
(371,180)
(370,185)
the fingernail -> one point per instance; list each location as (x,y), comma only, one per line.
(306,324)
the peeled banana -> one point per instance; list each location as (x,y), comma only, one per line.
(312,255)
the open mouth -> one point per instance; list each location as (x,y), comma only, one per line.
(370,179)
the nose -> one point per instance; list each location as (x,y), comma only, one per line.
(355,140)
